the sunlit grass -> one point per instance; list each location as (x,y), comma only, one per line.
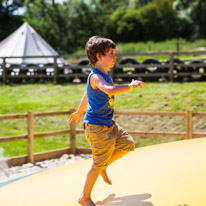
(48,97)
(171,45)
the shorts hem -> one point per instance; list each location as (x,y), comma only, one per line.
(126,150)
(99,168)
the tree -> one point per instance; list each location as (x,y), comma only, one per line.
(158,20)
(50,20)
(66,26)
(140,3)
(110,5)
(199,17)
(124,25)
(151,23)
(191,16)
(168,18)
(143,22)
(8,21)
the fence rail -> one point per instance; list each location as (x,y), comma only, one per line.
(31,135)
(151,69)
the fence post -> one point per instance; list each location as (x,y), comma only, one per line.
(4,71)
(55,71)
(112,72)
(30,141)
(171,70)
(177,45)
(73,136)
(189,124)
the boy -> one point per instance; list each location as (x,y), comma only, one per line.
(107,139)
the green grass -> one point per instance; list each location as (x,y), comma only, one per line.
(48,97)
(176,97)
(164,46)
(42,97)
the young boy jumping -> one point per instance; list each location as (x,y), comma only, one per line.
(107,139)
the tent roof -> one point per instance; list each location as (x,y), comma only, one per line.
(25,41)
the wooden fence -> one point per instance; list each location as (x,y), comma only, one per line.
(151,69)
(30,116)
(31,157)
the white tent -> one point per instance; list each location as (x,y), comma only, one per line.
(25,41)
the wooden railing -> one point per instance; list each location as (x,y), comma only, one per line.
(30,116)
(31,157)
(188,134)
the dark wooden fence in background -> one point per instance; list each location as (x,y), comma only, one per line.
(72,133)
(126,68)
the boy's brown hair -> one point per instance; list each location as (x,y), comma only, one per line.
(99,45)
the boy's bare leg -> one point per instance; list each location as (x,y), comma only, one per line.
(115,156)
(85,198)
(103,173)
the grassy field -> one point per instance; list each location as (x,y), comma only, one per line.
(151,46)
(164,46)
(49,97)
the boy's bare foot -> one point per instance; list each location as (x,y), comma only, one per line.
(103,173)
(86,202)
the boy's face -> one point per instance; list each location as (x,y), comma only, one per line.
(109,59)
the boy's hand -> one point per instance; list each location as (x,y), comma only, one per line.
(137,84)
(76,116)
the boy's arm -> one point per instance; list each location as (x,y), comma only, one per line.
(77,116)
(98,82)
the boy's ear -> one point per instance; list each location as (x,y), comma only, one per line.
(98,55)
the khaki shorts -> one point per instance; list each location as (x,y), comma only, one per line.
(103,140)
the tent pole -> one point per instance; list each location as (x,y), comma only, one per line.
(55,70)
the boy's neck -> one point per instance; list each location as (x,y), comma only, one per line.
(101,68)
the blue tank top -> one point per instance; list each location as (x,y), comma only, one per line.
(100,108)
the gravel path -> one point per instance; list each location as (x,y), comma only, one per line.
(7,174)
